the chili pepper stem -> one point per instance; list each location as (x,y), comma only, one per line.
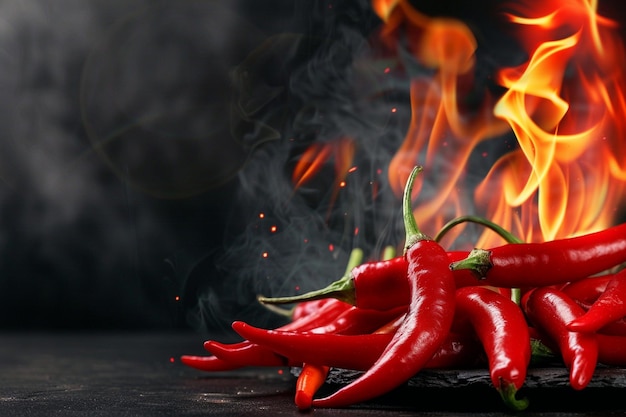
(540,353)
(508,394)
(502,232)
(285,312)
(478,261)
(342,289)
(413,232)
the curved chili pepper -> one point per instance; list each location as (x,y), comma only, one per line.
(616,327)
(355,352)
(502,329)
(550,310)
(426,324)
(311,378)
(245,353)
(251,353)
(547,263)
(352,321)
(207,363)
(608,307)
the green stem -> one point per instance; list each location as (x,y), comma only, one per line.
(413,232)
(507,392)
(342,289)
(285,312)
(355,259)
(540,353)
(502,232)
(478,261)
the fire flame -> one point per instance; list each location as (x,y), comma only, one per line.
(564,106)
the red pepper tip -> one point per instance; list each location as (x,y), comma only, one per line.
(578,325)
(238,325)
(303,400)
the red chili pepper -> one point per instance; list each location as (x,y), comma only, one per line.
(307,308)
(616,327)
(611,349)
(587,290)
(207,363)
(356,352)
(311,378)
(427,322)
(502,329)
(378,285)
(550,310)
(547,263)
(247,354)
(357,320)
(608,307)
(244,353)
(250,353)
(327,312)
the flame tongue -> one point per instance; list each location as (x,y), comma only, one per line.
(565,106)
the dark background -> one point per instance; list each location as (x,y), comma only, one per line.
(140,140)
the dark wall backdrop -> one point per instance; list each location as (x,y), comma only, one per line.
(141,140)
(123,128)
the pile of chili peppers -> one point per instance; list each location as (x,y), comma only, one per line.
(430,308)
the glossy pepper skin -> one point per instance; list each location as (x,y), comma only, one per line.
(547,263)
(607,308)
(245,353)
(550,310)
(502,329)
(352,321)
(356,352)
(427,322)
(207,363)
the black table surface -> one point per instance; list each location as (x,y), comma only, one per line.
(139,374)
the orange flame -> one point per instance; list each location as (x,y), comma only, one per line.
(565,106)
(314,158)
